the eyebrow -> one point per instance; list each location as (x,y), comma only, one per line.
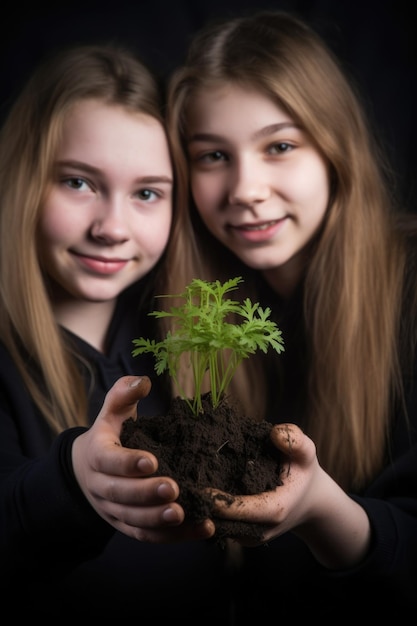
(89,169)
(259,134)
(274,128)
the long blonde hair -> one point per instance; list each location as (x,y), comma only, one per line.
(353,283)
(28,144)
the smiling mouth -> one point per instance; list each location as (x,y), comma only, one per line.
(98,259)
(257,227)
(101,266)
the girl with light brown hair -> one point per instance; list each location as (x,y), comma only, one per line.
(282,183)
(86,207)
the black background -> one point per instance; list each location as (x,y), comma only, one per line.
(375,40)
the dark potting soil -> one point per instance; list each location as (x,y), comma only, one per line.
(220,448)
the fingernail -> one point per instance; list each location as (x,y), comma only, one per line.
(135,382)
(145,465)
(166,491)
(170,515)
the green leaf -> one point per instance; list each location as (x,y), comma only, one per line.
(202,331)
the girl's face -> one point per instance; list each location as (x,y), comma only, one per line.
(107,216)
(260,185)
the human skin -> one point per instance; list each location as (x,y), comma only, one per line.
(309,503)
(261,187)
(104,224)
(106,219)
(260,184)
(118,481)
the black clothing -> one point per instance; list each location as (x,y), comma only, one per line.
(55,552)
(291,583)
(284,574)
(67,563)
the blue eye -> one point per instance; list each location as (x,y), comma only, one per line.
(76,183)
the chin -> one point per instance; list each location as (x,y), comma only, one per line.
(261,265)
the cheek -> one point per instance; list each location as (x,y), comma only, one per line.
(51,228)
(152,237)
(57,222)
(205,192)
(313,188)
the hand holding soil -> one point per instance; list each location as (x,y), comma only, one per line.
(203,442)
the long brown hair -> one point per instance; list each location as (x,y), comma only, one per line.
(28,144)
(353,283)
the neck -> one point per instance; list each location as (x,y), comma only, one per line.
(285,278)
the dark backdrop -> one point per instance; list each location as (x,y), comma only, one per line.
(375,39)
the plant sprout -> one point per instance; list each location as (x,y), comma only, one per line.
(213,344)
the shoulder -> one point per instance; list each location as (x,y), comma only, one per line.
(23,430)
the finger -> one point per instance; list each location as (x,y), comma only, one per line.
(257,508)
(178,534)
(162,516)
(286,437)
(136,492)
(107,455)
(121,399)
(184,532)
(291,440)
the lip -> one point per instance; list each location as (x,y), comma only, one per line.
(259,231)
(100,265)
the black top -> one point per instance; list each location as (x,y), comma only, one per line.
(65,562)
(285,575)
(56,553)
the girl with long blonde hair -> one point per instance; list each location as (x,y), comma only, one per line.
(86,208)
(282,183)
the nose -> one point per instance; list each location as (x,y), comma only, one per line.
(248,184)
(110,225)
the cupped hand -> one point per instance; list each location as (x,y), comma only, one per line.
(119,482)
(287,506)
(308,502)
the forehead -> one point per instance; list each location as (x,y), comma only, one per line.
(91,114)
(92,122)
(233,107)
(108,135)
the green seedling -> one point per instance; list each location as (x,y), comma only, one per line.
(213,344)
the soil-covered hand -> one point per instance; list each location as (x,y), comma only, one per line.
(118,481)
(309,503)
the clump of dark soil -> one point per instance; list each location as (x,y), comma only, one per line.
(220,448)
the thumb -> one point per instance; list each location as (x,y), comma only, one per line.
(287,438)
(292,441)
(121,399)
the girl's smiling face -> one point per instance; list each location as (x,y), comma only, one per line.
(259,183)
(107,216)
